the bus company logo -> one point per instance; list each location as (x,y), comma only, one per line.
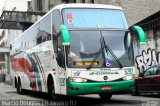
(70,18)
(104,73)
(105,77)
(77,73)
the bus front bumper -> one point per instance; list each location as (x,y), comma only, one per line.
(116,87)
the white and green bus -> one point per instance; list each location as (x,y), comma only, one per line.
(99,37)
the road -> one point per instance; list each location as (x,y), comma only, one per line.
(9,97)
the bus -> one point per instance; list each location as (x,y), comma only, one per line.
(98,41)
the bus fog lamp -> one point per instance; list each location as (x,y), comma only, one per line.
(129,77)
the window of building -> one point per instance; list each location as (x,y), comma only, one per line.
(39,5)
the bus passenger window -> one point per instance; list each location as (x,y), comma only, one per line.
(49,37)
(25,44)
(39,40)
(44,39)
(55,43)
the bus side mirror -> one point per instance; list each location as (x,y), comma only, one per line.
(140,33)
(64,35)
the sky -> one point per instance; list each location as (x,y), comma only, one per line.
(21,5)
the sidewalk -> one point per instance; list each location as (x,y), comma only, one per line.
(5,78)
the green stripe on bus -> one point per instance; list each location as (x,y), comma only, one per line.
(42,71)
(35,69)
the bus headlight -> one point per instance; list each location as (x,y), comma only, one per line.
(129,77)
(73,79)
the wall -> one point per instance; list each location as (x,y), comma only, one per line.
(149,54)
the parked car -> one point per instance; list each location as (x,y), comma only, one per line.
(148,81)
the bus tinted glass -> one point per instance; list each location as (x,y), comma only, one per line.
(94,18)
(86,45)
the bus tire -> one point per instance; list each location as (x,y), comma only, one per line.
(19,87)
(105,96)
(15,82)
(51,90)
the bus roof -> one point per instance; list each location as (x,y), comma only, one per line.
(82,5)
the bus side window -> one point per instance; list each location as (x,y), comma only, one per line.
(60,52)
(44,29)
(55,44)
(48,37)
(39,40)
(56,22)
(44,39)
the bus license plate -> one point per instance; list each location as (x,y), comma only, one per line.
(106,88)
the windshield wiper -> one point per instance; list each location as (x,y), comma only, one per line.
(107,48)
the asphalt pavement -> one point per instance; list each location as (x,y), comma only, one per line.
(9,97)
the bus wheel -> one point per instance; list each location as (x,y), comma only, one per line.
(105,96)
(19,87)
(51,90)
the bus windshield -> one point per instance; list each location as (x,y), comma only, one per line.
(94,18)
(86,45)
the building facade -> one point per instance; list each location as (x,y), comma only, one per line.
(8,35)
(12,5)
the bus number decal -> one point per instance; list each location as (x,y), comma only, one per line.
(128,71)
(62,81)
